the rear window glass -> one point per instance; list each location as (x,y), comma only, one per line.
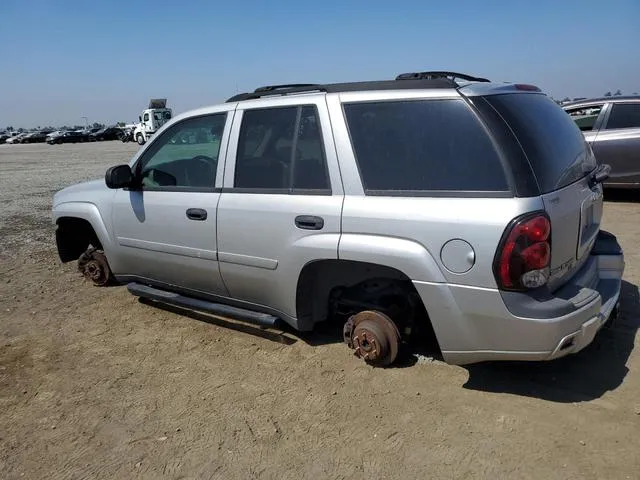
(554,145)
(425,145)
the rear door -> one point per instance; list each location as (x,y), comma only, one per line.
(561,161)
(618,144)
(282,199)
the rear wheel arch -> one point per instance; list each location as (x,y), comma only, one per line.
(321,282)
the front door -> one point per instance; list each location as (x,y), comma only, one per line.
(281,203)
(166,228)
(147,123)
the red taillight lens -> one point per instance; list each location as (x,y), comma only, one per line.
(538,229)
(524,255)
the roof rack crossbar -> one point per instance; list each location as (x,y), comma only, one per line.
(439,74)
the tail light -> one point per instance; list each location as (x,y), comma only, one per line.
(524,255)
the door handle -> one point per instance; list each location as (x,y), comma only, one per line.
(196,214)
(309,222)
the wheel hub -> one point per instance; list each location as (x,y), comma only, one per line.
(367,346)
(373,336)
(93,271)
(94,267)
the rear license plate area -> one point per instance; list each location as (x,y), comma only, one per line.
(590,216)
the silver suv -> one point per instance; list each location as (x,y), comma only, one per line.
(436,201)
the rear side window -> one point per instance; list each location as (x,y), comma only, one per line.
(423,146)
(624,115)
(554,145)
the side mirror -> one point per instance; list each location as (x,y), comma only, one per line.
(119,176)
(139,118)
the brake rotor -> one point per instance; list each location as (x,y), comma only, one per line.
(93,265)
(373,336)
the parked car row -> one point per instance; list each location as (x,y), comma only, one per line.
(74,136)
(64,136)
(25,137)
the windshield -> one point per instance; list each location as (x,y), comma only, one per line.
(554,145)
(162,115)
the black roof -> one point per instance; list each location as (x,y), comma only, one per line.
(404,81)
(613,99)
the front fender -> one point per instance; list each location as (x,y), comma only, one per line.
(407,256)
(89,212)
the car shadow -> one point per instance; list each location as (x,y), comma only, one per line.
(268,334)
(587,375)
(327,333)
(621,195)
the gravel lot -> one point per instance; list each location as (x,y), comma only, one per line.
(95,384)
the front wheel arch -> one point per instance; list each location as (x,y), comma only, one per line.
(73,237)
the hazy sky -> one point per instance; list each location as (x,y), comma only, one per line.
(62,60)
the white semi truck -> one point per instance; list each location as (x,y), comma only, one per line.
(151,120)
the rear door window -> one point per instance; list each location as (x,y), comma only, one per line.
(424,146)
(280,151)
(624,115)
(554,145)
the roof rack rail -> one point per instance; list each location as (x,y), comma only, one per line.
(271,88)
(412,81)
(278,90)
(436,74)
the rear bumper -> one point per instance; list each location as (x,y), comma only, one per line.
(478,324)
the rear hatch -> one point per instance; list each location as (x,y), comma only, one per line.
(562,163)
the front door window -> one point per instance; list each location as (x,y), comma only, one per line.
(185,157)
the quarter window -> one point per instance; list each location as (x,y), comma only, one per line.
(624,115)
(280,149)
(423,145)
(185,156)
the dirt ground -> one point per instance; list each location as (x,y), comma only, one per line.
(95,384)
